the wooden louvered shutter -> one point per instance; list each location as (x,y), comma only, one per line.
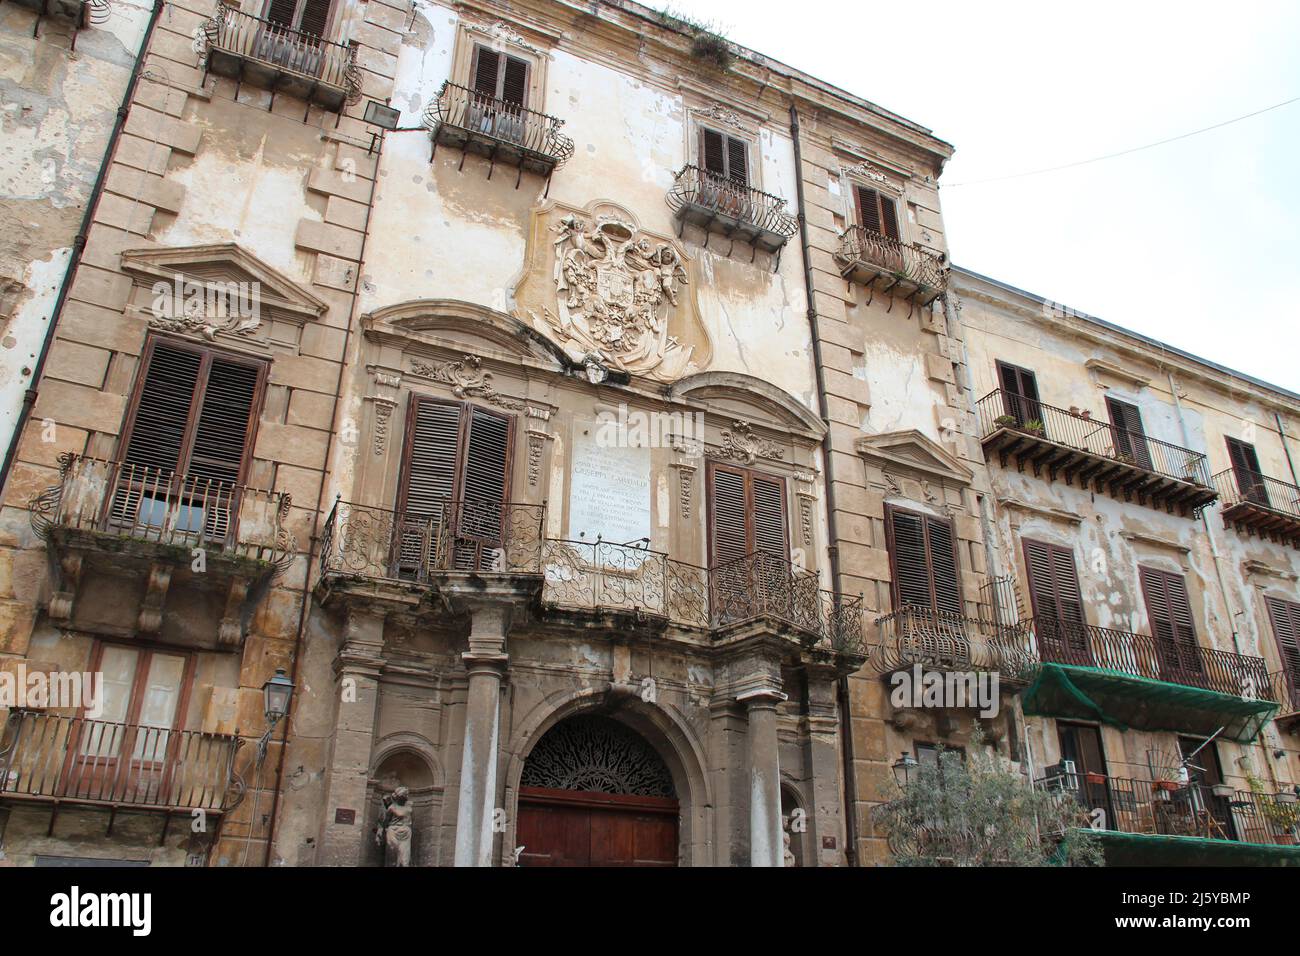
(729,537)
(889,217)
(1057,602)
(768,506)
(737,161)
(282,12)
(1129,435)
(1285,617)
(225,421)
(1245,468)
(484,488)
(315,16)
(868,209)
(161,422)
(430,461)
(942,547)
(514,85)
(713,153)
(1170,612)
(1019,393)
(486,66)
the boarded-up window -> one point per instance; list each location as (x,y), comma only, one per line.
(454,485)
(746,514)
(1170,613)
(877,212)
(1058,605)
(724,156)
(923,556)
(1130,437)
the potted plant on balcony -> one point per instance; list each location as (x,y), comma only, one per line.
(1223,791)
(1034,426)
(1163,787)
(1280,809)
(1005,421)
(1093,777)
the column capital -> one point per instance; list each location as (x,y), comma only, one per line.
(762,697)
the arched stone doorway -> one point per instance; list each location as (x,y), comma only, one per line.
(595,793)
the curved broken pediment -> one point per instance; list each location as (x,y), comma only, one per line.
(746,397)
(463,327)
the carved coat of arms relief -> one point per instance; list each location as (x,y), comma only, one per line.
(616,296)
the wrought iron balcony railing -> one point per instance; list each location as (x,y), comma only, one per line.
(458,536)
(499,129)
(599,577)
(76,759)
(891,265)
(736,210)
(270,54)
(1177,808)
(153,506)
(1259,504)
(1097,453)
(1141,655)
(945,641)
(1285,686)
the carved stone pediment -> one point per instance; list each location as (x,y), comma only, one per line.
(743,397)
(219,292)
(610,294)
(911,452)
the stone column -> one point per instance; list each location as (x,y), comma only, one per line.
(765,844)
(824,833)
(357,669)
(486,663)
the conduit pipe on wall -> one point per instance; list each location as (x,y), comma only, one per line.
(828,462)
(79,245)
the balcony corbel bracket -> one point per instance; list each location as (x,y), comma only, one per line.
(231,631)
(150,617)
(69,578)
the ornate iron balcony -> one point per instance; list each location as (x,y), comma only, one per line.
(941,640)
(738,211)
(1178,808)
(498,129)
(47,757)
(273,56)
(1101,456)
(99,500)
(1141,655)
(1260,505)
(891,266)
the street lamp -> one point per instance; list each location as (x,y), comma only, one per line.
(277,692)
(903,769)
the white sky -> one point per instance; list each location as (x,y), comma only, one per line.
(1196,243)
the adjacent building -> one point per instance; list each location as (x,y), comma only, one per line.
(581,413)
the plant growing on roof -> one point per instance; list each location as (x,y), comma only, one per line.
(708,45)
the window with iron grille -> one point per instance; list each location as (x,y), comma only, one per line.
(1246,470)
(1130,437)
(1057,602)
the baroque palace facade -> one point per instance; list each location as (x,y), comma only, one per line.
(583,417)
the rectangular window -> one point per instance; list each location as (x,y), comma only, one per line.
(877,213)
(1057,603)
(1019,393)
(724,156)
(923,557)
(1245,468)
(1170,611)
(306,16)
(1285,618)
(500,76)
(1130,438)
(454,485)
(747,513)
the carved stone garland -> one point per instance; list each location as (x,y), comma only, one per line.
(741,443)
(595,754)
(466,378)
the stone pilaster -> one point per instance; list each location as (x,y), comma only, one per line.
(357,669)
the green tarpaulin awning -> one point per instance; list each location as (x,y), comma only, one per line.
(1149,849)
(1123,701)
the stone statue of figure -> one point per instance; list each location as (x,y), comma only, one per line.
(787,853)
(394,830)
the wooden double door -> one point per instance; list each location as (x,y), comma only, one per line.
(578,828)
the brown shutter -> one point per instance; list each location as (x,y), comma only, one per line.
(713,152)
(1019,393)
(225,423)
(160,422)
(431,456)
(1129,434)
(1245,468)
(1285,617)
(487,457)
(868,209)
(769,515)
(737,161)
(514,88)
(728,538)
(889,217)
(923,554)
(1057,602)
(315,16)
(486,66)
(281,12)
(1170,612)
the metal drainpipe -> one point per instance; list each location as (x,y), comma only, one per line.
(1286,449)
(320,504)
(832,550)
(79,245)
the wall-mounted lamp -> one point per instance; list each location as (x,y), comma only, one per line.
(277,693)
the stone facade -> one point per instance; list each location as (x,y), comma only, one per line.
(565,491)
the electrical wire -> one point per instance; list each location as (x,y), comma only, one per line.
(1124,152)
